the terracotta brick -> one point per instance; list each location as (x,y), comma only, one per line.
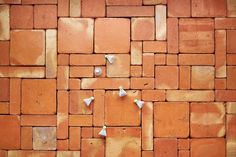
(231,107)
(123,2)
(208,8)
(220,83)
(135,71)
(210,147)
(120,67)
(75,35)
(225,95)
(126,111)
(74,84)
(189,42)
(153,95)
(183,143)
(163,79)
(112,35)
(121,141)
(93,59)
(63,7)
(173,34)
(230,135)
(15,96)
(80,120)
(63,59)
(184,77)
(104,83)
(148,65)
(136,53)
(154,46)
(22,153)
(81,71)
(165,147)
(190,95)
(30,43)
(184,153)
(225,23)
(231,9)
(171,59)
(160,59)
(147,153)
(62,145)
(86,132)
(196,59)
(5,89)
(231,77)
(68,153)
(207,120)
(231,48)
(10,132)
(38,120)
(75,8)
(74,139)
(142,83)
(92,147)
(5,22)
(10,2)
(179,118)
(202,77)
(160,17)
(96,131)
(5,52)
(147,126)
(152,2)
(130,11)
(21,16)
(4,108)
(39,2)
(62,77)
(231,59)
(26,138)
(179,8)
(139,31)
(77,105)
(38,96)
(92,8)
(3,153)
(99,108)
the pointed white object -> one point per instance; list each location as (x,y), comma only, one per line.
(139,103)
(88,101)
(110,58)
(122,92)
(97,71)
(103,132)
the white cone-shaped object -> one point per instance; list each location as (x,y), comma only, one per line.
(103,132)
(110,58)
(88,101)
(139,103)
(122,92)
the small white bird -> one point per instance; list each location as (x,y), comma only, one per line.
(103,132)
(110,58)
(122,92)
(139,103)
(88,101)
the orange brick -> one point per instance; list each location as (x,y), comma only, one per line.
(24,153)
(3,153)
(96,131)
(154,46)
(77,105)
(142,83)
(163,79)
(98,108)
(230,135)
(208,8)
(30,43)
(184,77)
(139,31)
(94,59)
(153,95)
(74,139)
(80,120)
(148,65)
(160,59)
(62,145)
(62,77)
(183,143)
(231,9)
(231,59)
(38,120)
(130,11)
(39,2)
(160,17)
(86,132)
(21,16)
(207,120)
(124,2)
(26,138)
(63,7)
(179,8)
(75,35)
(210,147)
(171,59)
(189,42)
(135,71)
(173,34)
(231,48)
(4,107)
(92,8)
(10,132)
(5,89)
(74,84)
(231,77)
(81,71)
(165,147)
(196,59)
(112,35)
(231,107)
(220,83)
(147,153)
(5,52)
(136,53)
(152,2)
(184,153)
(11,2)
(225,95)
(5,22)
(92,147)
(179,119)
(225,23)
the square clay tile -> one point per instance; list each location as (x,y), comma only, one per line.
(30,43)
(4,89)
(21,16)
(122,111)
(196,35)
(38,96)
(75,35)
(171,119)
(112,35)
(121,142)
(165,147)
(44,138)
(9,132)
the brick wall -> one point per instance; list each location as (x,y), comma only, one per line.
(179,57)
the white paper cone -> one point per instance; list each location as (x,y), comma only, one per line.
(122,92)
(139,103)
(103,132)
(88,101)
(110,58)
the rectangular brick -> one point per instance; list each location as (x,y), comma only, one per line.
(81,71)
(62,77)
(160,59)
(179,8)
(225,23)
(99,108)
(4,107)
(230,135)
(27,153)
(74,139)
(5,52)
(97,145)
(15,96)
(225,95)
(22,72)
(5,22)
(124,2)
(160,16)
(38,120)
(231,59)
(26,138)
(142,83)
(136,53)
(10,2)
(39,2)
(63,7)
(63,145)
(231,107)
(80,120)
(173,35)
(196,59)
(231,9)
(165,147)
(155,46)
(148,65)
(153,2)
(75,8)
(153,95)
(184,77)
(94,59)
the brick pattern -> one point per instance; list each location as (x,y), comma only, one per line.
(178,56)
